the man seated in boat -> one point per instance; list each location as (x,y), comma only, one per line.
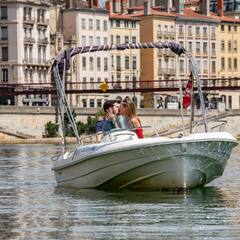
(111,108)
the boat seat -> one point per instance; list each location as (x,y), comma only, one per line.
(124,135)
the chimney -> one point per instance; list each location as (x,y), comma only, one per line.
(90,3)
(205,7)
(109,6)
(179,6)
(125,5)
(220,8)
(146,5)
(95,3)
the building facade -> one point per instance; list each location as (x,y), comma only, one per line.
(125,65)
(231,8)
(90,26)
(195,31)
(25,47)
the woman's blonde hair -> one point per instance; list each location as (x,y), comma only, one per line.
(131,109)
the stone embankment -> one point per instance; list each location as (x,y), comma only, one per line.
(27,124)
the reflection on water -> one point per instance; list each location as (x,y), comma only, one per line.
(31,207)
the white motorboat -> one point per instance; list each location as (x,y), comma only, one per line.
(124,161)
(121,160)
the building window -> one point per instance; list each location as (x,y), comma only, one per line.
(90,40)
(5,75)
(213,67)
(83,40)
(223,46)
(84,102)
(91,63)
(133,24)
(229,63)
(98,41)
(118,39)
(134,62)
(105,41)
(112,39)
(180,29)
(127,62)
(222,63)
(91,83)
(92,103)
(99,103)
(90,24)
(198,63)
(205,66)
(229,28)
(105,27)
(230,102)
(134,39)
(126,39)
(84,86)
(118,23)
(4,33)
(84,63)
(126,24)
(235,28)
(229,46)
(190,46)
(198,31)
(198,48)
(205,47)
(98,24)
(235,45)
(235,63)
(205,32)
(105,64)
(98,64)
(4,53)
(189,30)
(4,14)
(83,23)
(213,48)
(118,63)
(222,28)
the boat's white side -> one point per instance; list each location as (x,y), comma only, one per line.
(149,163)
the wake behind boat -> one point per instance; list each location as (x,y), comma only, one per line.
(122,160)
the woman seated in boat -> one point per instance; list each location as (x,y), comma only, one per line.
(131,117)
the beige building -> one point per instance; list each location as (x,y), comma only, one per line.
(90,26)
(125,65)
(228,64)
(195,31)
(25,46)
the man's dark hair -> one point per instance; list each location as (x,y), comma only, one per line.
(108,104)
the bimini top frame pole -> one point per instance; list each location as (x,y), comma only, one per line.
(62,63)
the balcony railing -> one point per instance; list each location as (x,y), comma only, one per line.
(167,71)
(198,35)
(213,36)
(181,34)
(27,19)
(165,52)
(42,21)
(43,40)
(166,34)
(29,40)
(34,61)
(205,36)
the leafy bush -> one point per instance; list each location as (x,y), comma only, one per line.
(88,128)
(51,129)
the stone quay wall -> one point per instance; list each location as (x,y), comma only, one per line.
(31,120)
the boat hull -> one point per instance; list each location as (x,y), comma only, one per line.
(152,165)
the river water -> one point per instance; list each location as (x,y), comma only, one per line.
(31,207)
